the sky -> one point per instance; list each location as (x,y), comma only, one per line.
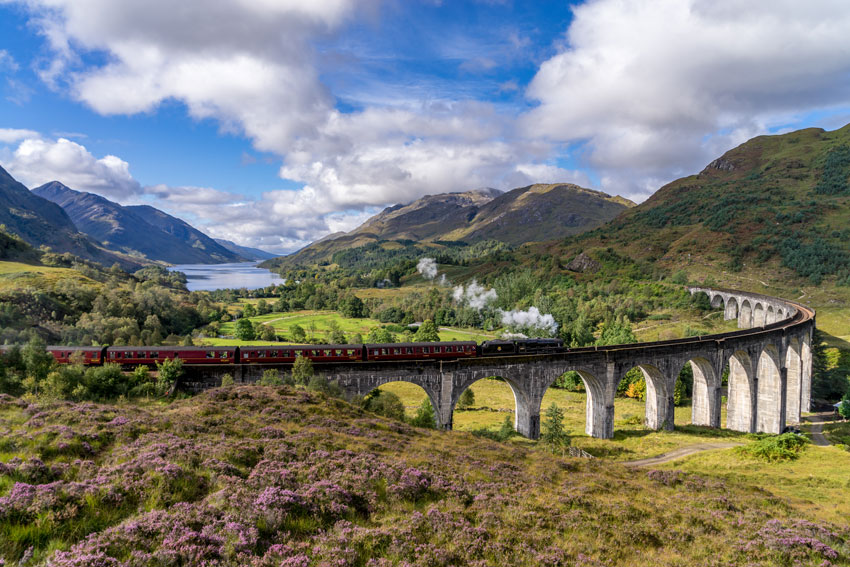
(275,122)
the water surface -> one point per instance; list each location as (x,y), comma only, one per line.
(223,276)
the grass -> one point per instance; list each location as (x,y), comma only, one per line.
(817,482)
(16,276)
(315,323)
(494,400)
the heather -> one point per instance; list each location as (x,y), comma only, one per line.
(271,476)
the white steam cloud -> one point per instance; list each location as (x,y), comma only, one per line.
(478,297)
(475,295)
(428,268)
(531,318)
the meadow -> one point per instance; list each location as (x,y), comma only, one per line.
(271,476)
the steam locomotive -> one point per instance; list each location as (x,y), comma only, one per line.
(282,354)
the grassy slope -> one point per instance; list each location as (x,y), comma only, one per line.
(271,476)
(16,275)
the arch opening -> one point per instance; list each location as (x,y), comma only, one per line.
(572,390)
(402,400)
(739,404)
(770,316)
(645,383)
(717,301)
(769,411)
(698,386)
(484,405)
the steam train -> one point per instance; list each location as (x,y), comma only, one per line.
(282,354)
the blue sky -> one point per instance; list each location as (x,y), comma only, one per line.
(274,122)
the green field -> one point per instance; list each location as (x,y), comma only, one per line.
(494,401)
(315,323)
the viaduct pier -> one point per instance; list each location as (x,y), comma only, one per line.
(769,372)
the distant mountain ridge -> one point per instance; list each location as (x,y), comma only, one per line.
(527,214)
(254,254)
(41,222)
(137,230)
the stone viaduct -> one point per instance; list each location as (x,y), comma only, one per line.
(769,372)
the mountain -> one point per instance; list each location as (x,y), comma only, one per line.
(774,208)
(534,213)
(245,251)
(40,222)
(129,230)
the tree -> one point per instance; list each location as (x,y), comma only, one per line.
(170,370)
(553,435)
(267,333)
(302,370)
(227,380)
(844,408)
(425,416)
(385,403)
(357,339)
(249,310)
(427,332)
(616,332)
(187,341)
(506,431)
(263,307)
(244,330)
(271,377)
(298,334)
(352,307)
(467,399)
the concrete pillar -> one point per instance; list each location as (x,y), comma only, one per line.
(741,396)
(806,374)
(794,390)
(770,393)
(745,315)
(444,407)
(707,395)
(527,421)
(659,399)
(731,310)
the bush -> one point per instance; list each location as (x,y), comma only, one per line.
(271,377)
(302,370)
(775,448)
(227,380)
(425,416)
(385,403)
(169,372)
(553,434)
(467,399)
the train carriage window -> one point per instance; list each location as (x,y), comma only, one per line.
(450,348)
(154,354)
(223,354)
(274,354)
(210,354)
(327,352)
(338,352)
(396,351)
(409,350)
(384,351)
(426,350)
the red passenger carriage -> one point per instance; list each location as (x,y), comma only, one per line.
(420,351)
(189,355)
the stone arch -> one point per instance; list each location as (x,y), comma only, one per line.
(770,315)
(503,382)
(526,412)
(731,310)
(794,381)
(432,395)
(769,398)
(599,411)
(745,315)
(717,301)
(758,315)
(705,404)
(659,397)
(780,314)
(739,405)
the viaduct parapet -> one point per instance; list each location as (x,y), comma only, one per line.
(769,372)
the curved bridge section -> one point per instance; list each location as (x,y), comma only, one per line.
(769,372)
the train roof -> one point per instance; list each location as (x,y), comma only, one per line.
(170,348)
(284,346)
(387,345)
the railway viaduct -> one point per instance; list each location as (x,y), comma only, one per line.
(769,372)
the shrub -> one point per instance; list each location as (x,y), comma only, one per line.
(553,434)
(227,380)
(169,372)
(425,416)
(385,403)
(467,399)
(271,377)
(302,370)
(775,448)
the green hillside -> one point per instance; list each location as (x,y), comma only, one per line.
(266,476)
